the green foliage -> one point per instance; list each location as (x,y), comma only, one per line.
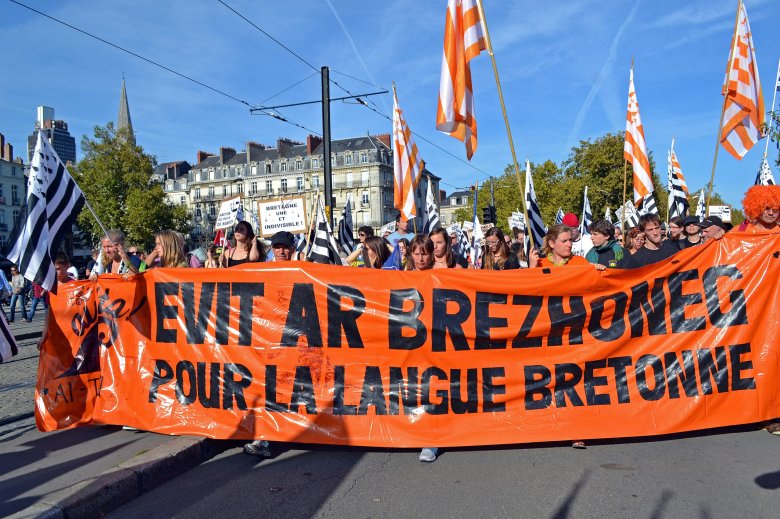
(115,177)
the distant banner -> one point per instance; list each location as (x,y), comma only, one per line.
(320,354)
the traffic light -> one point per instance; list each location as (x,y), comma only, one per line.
(493,218)
(487,215)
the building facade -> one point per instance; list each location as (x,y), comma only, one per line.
(12,190)
(450,204)
(362,166)
(57,133)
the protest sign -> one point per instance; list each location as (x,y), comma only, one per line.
(287,214)
(227,212)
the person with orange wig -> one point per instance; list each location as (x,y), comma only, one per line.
(762,209)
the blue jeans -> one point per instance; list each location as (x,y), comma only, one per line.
(23,300)
(34,304)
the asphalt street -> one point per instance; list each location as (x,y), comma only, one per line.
(724,474)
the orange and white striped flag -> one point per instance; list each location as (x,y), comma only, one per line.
(676,171)
(463,40)
(744,108)
(634,148)
(407,166)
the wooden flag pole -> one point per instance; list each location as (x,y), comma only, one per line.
(772,108)
(623,209)
(723,109)
(503,110)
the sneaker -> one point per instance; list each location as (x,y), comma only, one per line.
(773,428)
(128,428)
(428,454)
(259,448)
(28,320)
(578,445)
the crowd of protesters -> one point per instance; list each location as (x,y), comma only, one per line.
(603,247)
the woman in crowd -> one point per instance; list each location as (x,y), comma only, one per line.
(556,250)
(420,252)
(762,209)
(168,251)
(497,255)
(635,240)
(375,252)
(403,245)
(675,230)
(113,257)
(211,257)
(246,250)
(443,257)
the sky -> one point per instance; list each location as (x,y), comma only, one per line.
(564,69)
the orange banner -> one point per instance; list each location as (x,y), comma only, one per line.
(339,355)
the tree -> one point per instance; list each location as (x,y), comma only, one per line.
(115,178)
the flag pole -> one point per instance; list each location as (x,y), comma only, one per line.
(503,108)
(723,109)
(772,109)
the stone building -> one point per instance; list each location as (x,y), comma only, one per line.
(12,190)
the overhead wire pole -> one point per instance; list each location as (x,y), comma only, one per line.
(503,110)
(326,165)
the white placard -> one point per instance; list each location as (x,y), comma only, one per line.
(282,215)
(227,212)
(387,228)
(721,211)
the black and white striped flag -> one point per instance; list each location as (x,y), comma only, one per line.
(431,214)
(559,217)
(701,207)
(323,247)
(301,245)
(587,215)
(53,203)
(608,215)
(346,228)
(7,340)
(535,229)
(463,242)
(678,189)
(628,214)
(764,176)
(648,205)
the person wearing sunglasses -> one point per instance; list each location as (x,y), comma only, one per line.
(498,256)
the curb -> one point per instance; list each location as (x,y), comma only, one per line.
(95,497)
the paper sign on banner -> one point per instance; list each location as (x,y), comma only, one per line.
(287,214)
(227,212)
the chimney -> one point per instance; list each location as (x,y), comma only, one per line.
(225,154)
(311,143)
(2,145)
(384,138)
(8,152)
(203,155)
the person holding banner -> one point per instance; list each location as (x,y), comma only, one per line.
(691,233)
(168,251)
(246,250)
(443,256)
(655,249)
(498,256)
(675,231)
(606,251)
(115,259)
(556,249)
(421,253)
(762,208)
(375,252)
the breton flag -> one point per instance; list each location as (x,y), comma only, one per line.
(407,164)
(701,207)
(558,216)
(8,346)
(53,203)
(431,215)
(634,147)
(628,214)
(464,39)
(608,215)
(743,113)
(587,215)
(346,228)
(535,229)
(463,241)
(476,234)
(301,244)
(648,205)
(765,176)
(323,247)
(678,189)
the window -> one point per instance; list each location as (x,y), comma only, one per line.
(348,159)
(211,191)
(364,158)
(197,176)
(1,190)
(198,213)
(298,165)
(284,185)
(241,187)
(364,177)
(269,187)
(365,198)
(16,218)
(211,174)
(315,181)
(315,162)
(349,179)
(254,169)
(14,195)
(283,167)
(299,182)
(197,193)
(268,167)
(253,188)
(224,190)
(213,209)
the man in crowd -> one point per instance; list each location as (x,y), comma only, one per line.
(712,228)
(606,251)
(655,249)
(691,233)
(401,231)
(18,293)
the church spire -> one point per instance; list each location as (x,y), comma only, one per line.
(123,120)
